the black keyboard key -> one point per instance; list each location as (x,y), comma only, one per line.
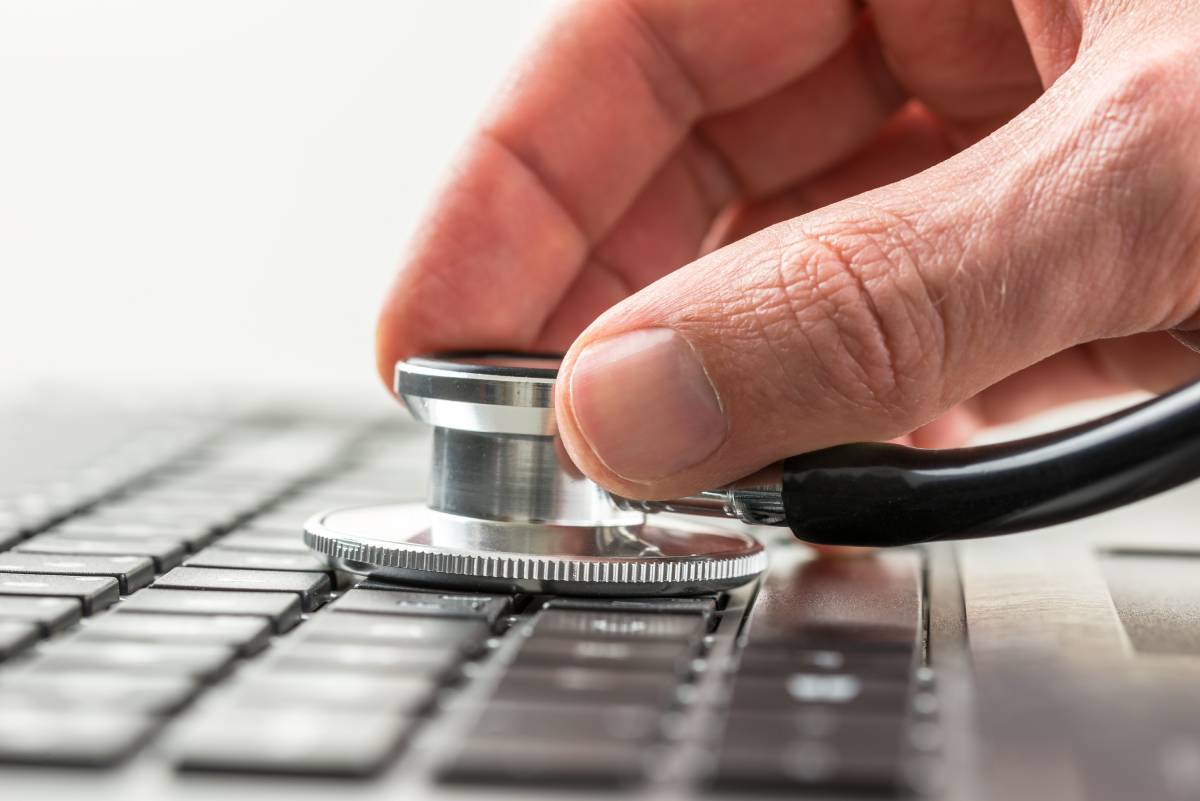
(808,766)
(577,685)
(285,520)
(256,541)
(412,602)
(194,537)
(880,735)
(312,588)
(217,556)
(305,742)
(871,663)
(502,719)
(16,636)
(430,660)
(166,555)
(70,690)
(131,572)
(281,608)
(792,691)
(351,627)
(546,761)
(78,737)
(701,605)
(248,635)
(204,662)
(665,655)
(898,640)
(618,625)
(50,614)
(339,691)
(93,592)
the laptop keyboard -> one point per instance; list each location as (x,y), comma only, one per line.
(160,605)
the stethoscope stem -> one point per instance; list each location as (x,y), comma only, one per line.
(880,494)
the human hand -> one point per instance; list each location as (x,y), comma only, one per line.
(783,226)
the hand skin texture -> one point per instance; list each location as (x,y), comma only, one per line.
(760,228)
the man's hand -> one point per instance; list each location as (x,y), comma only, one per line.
(781,226)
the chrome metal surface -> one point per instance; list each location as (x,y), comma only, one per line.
(517,479)
(416,545)
(482,394)
(756,500)
(506,508)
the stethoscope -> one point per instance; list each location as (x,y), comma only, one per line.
(506,510)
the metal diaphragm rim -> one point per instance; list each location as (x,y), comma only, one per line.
(411,544)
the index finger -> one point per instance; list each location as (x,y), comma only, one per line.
(608,93)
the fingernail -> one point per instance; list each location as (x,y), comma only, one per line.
(645,405)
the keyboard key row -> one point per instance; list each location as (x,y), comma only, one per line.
(582,700)
(669,657)
(51,615)
(823,695)
(409,659)
(281,688)
(89,688)
(324,742)
(165,554)
(359,679)
(131,572)
(76,736)
(248,635)
(425,604)
(810,765)
(88,528)
(204,662)
(544,761)
(92,592)
(217,556)
(312,588)
(280,608)
(401,630)
(577,685)
(261,541)
(619,625)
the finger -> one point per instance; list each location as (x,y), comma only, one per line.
(910,142)
(804,128)
(1053,30)
(968,60)
(812,123)
(661,231)
(606,97)
(871,317)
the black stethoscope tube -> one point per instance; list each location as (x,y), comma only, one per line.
(881,494)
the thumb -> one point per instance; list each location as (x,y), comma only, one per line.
(868,318)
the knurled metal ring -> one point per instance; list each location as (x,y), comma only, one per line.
(400,543)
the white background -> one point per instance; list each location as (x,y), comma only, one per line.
(201,195)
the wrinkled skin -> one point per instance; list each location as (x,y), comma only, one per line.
(854,221)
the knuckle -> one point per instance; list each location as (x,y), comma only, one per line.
(860,308)
(1130,163)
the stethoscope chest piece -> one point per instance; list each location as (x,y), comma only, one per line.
(506,511)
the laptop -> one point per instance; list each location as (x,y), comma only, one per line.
(187,382)
(165,633)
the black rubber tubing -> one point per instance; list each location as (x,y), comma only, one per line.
(882,494)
